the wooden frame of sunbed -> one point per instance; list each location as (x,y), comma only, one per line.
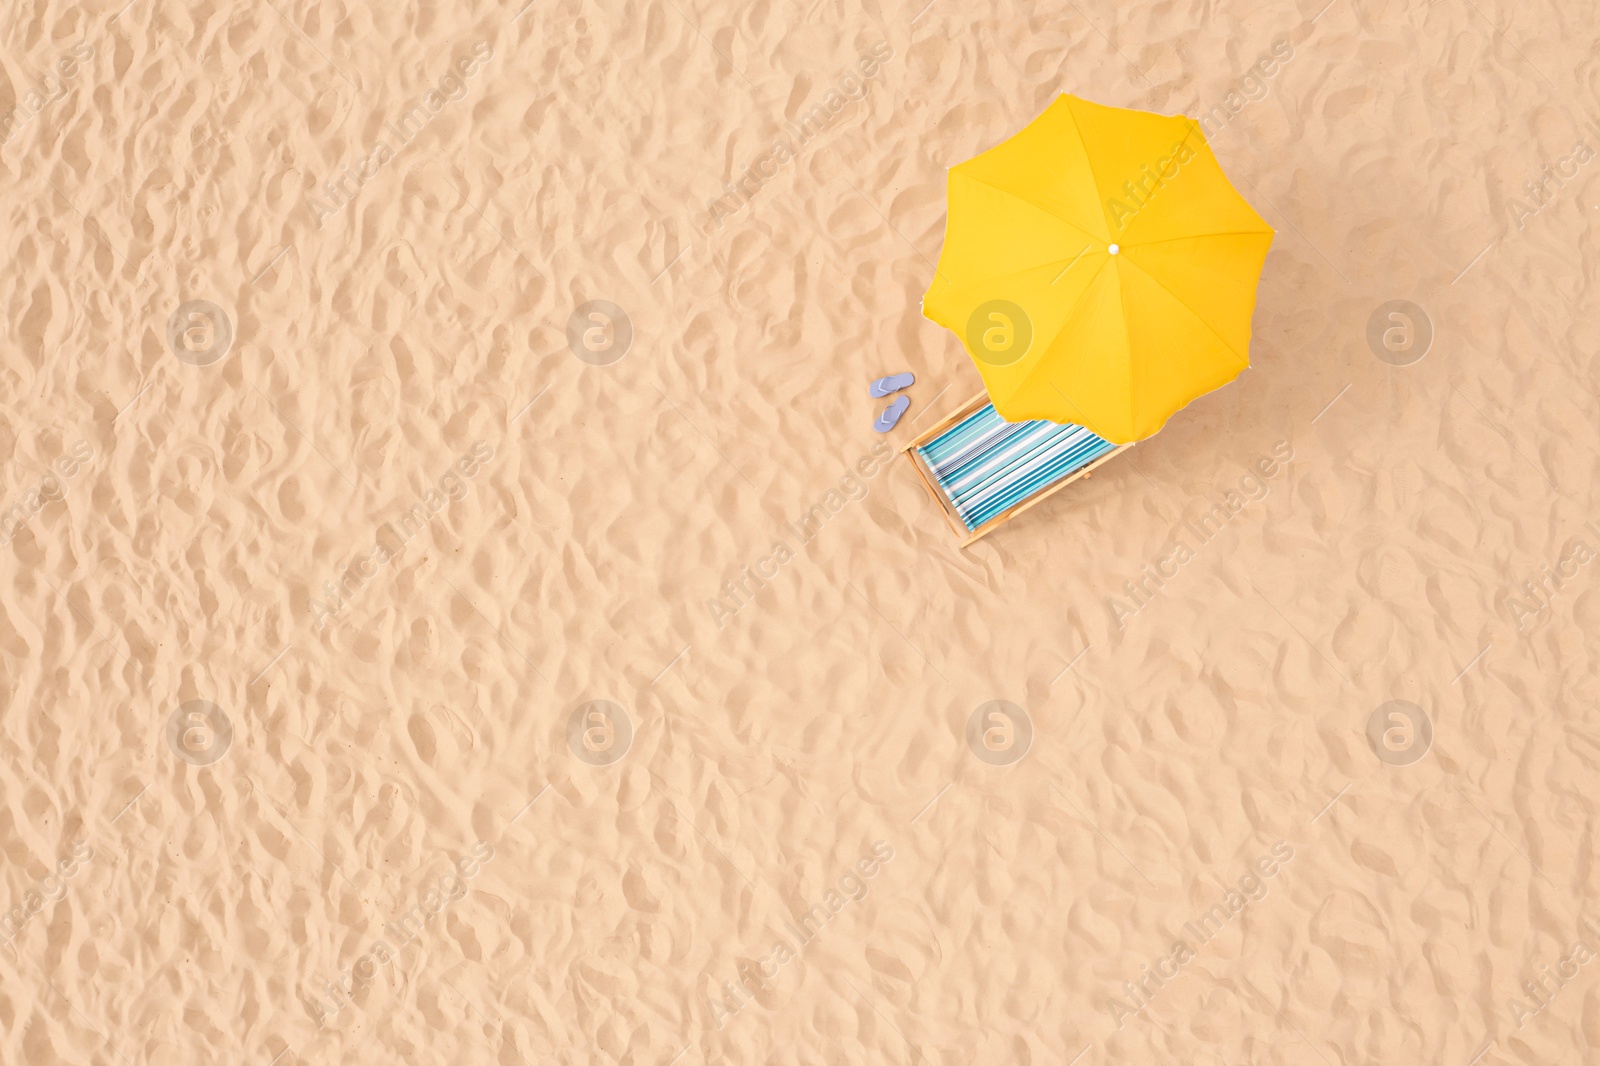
(948,509)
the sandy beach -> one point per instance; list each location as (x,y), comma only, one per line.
(456,608)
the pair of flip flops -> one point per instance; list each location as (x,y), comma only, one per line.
(891,414)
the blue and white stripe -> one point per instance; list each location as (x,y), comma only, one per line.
(985,464)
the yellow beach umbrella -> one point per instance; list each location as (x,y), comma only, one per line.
(1099,269)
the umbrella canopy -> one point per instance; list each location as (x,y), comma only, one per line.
(1099,269)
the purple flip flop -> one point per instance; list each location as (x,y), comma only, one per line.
(893,383)
(891,414)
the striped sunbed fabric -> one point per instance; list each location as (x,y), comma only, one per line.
(985,464)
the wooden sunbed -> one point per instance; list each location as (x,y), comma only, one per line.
(947,507)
